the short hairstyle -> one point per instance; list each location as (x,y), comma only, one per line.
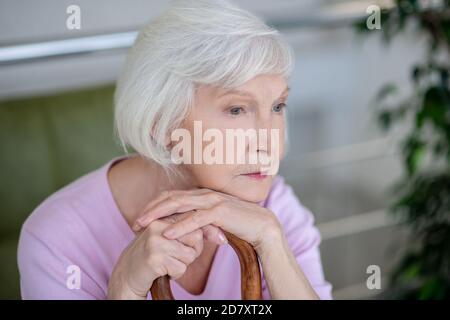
(192,43)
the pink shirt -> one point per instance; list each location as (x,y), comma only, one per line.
(80,225)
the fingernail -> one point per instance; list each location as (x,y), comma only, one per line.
(136,227)
(222,238)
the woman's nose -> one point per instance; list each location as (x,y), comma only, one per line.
(261,139)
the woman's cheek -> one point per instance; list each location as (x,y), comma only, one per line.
(212,176)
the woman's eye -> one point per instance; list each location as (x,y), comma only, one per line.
(235,110)
(279,107)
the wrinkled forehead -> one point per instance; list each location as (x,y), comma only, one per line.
(261,86)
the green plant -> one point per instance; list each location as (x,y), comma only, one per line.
(422,196)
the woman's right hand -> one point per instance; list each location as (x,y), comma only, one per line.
(151,255)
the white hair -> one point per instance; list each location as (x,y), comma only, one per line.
(193,43)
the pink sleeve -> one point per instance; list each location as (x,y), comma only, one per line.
(44,273)
(302,235)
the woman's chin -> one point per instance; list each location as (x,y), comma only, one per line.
(251,189)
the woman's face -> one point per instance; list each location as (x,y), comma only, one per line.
(225,165)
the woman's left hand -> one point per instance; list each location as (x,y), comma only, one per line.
(246,220)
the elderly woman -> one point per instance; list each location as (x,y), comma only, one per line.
(112,232)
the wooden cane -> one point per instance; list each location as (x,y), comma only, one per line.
(250,273)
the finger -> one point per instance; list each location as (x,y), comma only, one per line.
(175,268)
(214,234)
(173,218)
(180,251)
(162,197)
(166,194)
(195,221)
(194,240)
(177,204)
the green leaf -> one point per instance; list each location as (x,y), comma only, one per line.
(385,119)
(387,90)
(411,272)
(435,108)
(430,288)
(414,150)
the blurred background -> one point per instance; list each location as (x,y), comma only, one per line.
(56,86)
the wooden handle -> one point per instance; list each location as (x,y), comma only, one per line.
(250,273)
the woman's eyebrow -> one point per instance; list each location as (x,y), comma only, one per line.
(286,90)
(247,93)
(238,92)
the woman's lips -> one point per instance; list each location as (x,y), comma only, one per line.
(255,175)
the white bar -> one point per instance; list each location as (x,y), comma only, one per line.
(365,150)
(355,224)
(19,53)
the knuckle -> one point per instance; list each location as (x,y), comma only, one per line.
(214,197)
(197,236)
(154,260)
(148,246)
(171,219)
(160,270)
(191,258)
(153,227)
(196,216)
(178,216)
(163,224)
(151,241)
(183,268)
(217,209)
(175,198)
(166,193)
(219,214)
(190,252)
(181,198)
(198,251)
(203,190)
(272,220)
(178,271)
